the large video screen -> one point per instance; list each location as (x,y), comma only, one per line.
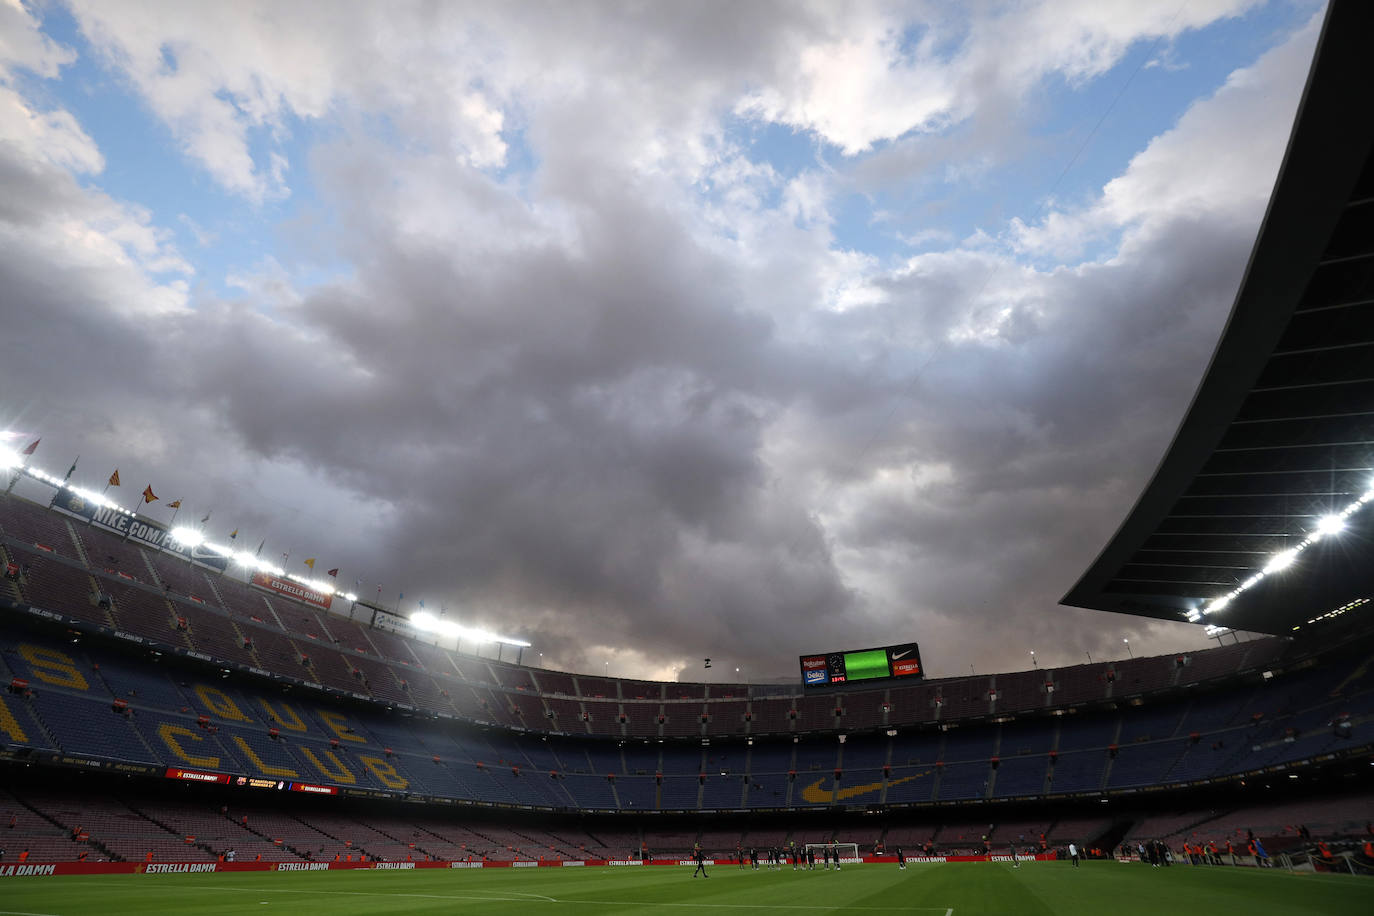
(826,669)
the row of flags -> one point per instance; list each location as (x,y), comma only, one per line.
(150,497)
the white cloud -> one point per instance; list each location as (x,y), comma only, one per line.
(24,47)
(52,136)
(868,80)
(1221,156)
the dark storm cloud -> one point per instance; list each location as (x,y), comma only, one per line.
(570,408)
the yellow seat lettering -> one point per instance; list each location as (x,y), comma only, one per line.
(339,726)
(384,772)
(220,703)
(287,717)
(340,773)
(170,734)
(10,726)
(265,769)
(53,667)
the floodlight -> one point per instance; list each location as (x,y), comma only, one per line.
(1330,524)
(188,536)
(426,621)
(9,458)
(1219,604)
(1281,561)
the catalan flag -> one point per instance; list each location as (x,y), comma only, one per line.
(311,563)
(148,495)
(114,478)
(174,504)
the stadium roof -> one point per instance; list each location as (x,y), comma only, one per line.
(1281,429)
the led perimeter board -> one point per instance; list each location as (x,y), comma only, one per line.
(823,670)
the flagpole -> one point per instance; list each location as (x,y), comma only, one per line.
(23,468)
(14,478)
(58,492)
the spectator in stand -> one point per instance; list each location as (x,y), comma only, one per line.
(24,856)
(149,856)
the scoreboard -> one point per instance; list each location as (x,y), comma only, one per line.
(827,668)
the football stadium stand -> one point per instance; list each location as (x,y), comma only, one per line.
(173,666)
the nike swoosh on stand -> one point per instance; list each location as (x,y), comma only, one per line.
(818,796)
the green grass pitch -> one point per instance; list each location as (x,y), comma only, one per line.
(975,889)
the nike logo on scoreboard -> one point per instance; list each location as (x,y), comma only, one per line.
(902,654)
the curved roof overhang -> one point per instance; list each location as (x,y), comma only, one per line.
(1281,429)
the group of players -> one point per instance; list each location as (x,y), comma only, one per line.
(778,856)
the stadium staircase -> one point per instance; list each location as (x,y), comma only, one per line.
(278,842)
(347,844)
(67,830)
(396,839)
(204,847)
(137,732)
(1111,757)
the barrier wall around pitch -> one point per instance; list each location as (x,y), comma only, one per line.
(65,869)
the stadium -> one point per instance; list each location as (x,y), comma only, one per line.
(183,723)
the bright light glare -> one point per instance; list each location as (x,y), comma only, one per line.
(9,458)
(1281,561)
(188,536)
(1331,524)
(426,621)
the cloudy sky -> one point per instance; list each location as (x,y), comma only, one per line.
(645,331)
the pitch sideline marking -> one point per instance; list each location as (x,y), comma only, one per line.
(18,913)
(764,906)
(509,897)
(519,897)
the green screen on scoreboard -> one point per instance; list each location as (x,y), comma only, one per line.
(861,666)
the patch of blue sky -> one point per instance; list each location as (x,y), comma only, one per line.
(521,162)
(1144,96)
(788,150)
(1065,156)
(219,232)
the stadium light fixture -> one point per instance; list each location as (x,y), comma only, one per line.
(1330,524)
(424,620)
(9,458)
(1326,526)
(1281,561)
(191,537)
